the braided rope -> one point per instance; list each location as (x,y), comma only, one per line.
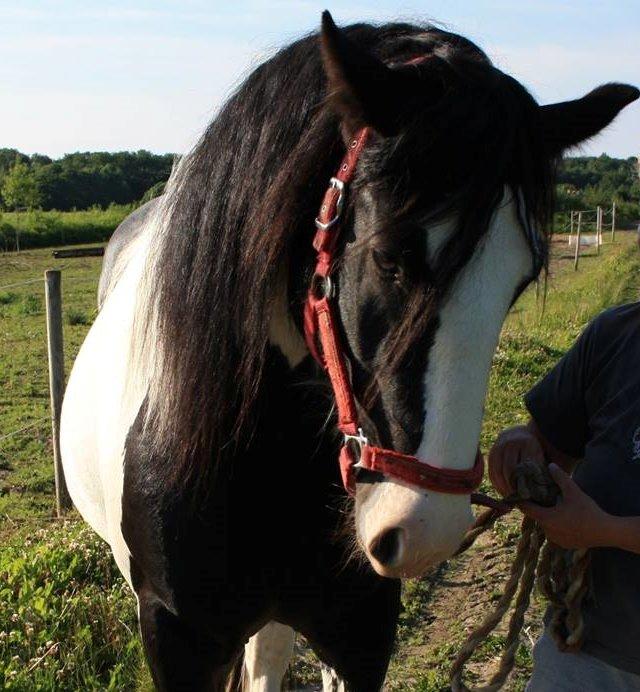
(520,580)
(564,584)
(546,571)
(567,621)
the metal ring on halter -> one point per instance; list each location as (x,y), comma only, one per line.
(359,441)
(322,286)
(338,185)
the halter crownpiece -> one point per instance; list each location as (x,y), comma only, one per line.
(323,340)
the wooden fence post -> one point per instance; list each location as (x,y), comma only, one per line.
(53,294)
(598,228)
(577,257)
(613,222)
(571,229)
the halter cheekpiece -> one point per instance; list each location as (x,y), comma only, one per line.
(323,340)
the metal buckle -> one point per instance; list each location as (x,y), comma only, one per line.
(360,440)
(338,185)
(322,287)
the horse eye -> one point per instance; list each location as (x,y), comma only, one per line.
(387,264)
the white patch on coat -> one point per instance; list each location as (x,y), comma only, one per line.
(455,383)
(331,682)
(283,333)
(266,658)
(100,404)
(432,524)
(130,250)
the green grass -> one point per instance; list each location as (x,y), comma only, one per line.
(67,621)
(37,228)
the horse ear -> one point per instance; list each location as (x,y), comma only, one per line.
(572,122)
(361,88)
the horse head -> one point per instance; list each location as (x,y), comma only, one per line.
(447,223)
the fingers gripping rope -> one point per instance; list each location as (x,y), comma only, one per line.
(564,591)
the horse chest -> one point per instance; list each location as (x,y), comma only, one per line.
(261,534)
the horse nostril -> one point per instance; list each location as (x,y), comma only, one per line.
(387,547)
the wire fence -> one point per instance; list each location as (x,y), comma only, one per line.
(5,437)
(33,424)
(21,283)
(25,362)
(586,228)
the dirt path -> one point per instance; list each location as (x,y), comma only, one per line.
(461,595)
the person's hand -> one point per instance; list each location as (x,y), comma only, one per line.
(575,521)
(512,446)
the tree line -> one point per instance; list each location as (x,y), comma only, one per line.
(586,182)
(80,180)
(98,179)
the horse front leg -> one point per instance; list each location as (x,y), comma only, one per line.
(355,638)
(331,682)
(181,658)
(266,658)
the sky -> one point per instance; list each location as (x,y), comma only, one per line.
(82,75)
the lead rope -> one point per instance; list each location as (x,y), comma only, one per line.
(563,584)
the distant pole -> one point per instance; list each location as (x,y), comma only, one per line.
(598,228)
(53,294)
(613,223)
(571,228)
(577,257)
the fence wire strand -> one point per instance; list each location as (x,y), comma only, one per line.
(22,283)
(33,424)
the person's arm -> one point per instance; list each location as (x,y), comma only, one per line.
(558,429)
(576,521)
(517,444)
(552,454)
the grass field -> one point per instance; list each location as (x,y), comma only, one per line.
(67,621)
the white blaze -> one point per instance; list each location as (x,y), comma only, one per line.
(455,382)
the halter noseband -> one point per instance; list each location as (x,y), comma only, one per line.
(323,341)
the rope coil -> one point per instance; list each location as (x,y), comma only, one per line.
(561,578)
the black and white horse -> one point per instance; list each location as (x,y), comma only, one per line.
(198,437)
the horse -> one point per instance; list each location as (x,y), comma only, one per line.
(199,437)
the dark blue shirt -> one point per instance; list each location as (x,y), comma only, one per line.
(588,407)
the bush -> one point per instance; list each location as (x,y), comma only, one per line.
(77,317)
(8,297)
(50,228)
(67,618)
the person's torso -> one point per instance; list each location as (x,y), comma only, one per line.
(610,474)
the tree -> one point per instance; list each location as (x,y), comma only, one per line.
(8,158)
(19,187)
(19,191)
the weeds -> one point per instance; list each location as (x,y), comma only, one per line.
(75,316)
(67,618)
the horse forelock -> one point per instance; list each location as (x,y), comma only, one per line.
(239,207)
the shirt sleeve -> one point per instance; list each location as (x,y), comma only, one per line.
(558,402)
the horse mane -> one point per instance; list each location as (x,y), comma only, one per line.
(234,210)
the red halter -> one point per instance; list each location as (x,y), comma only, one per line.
(320,329)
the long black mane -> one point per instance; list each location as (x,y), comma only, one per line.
(242,206)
